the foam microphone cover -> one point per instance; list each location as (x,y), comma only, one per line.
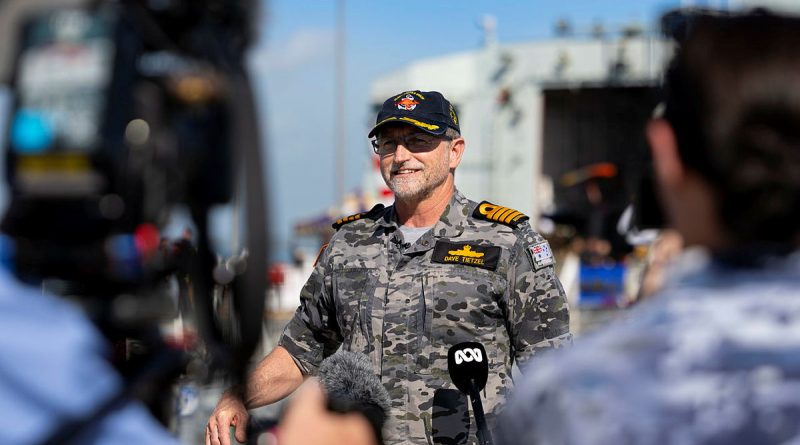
(351,385)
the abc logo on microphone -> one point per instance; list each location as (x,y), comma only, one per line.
(468,366)
(468,355)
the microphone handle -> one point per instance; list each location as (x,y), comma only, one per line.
(484,435)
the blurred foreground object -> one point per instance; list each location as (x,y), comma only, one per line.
(351,387)
(54,368)
(124,112)
(712,358)
(307,421)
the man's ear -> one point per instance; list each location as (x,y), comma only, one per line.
(457,147)
(664,147)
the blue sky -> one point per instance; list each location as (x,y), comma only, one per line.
(294,67)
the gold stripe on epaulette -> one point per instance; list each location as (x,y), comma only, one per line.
(501,216)
(496,213)
(489,210)
(510,217)
(372,214)
(348,219)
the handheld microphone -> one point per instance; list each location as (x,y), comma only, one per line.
(469,369)
(351,385)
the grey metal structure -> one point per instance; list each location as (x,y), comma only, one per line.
(516,103)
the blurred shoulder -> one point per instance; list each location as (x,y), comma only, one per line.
(577,389)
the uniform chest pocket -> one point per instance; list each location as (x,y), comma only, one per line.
(352,292)
(462,304)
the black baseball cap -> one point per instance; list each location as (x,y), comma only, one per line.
(426,110)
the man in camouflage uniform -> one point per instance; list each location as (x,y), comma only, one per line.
(405,283)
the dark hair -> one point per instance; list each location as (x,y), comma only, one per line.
(733,98)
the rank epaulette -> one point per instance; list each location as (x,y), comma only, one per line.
(499,214)
(372,214)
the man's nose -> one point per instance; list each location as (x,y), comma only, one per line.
(402,153)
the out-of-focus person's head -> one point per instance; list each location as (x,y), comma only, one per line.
(727,152)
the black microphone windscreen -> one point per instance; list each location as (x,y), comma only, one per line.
(467,362)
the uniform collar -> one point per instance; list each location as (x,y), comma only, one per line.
(452,221)
(450,224)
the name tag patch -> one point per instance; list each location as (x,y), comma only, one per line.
(541,255)
(468,254)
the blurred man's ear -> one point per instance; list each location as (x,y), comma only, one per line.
(688,199)
(663,145)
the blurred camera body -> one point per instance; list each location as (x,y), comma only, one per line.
(113,122)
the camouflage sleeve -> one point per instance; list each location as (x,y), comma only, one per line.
(537,310)
(313,332)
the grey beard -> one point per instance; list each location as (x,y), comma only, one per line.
(405,193)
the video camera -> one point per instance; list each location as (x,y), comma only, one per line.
(121,111)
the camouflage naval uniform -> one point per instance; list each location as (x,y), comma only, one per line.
(371,293)
(713,360)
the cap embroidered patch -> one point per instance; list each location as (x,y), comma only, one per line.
(427,110)
(468,254)
(541,255)
(407,103)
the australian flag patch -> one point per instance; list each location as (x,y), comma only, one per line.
(541,255)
